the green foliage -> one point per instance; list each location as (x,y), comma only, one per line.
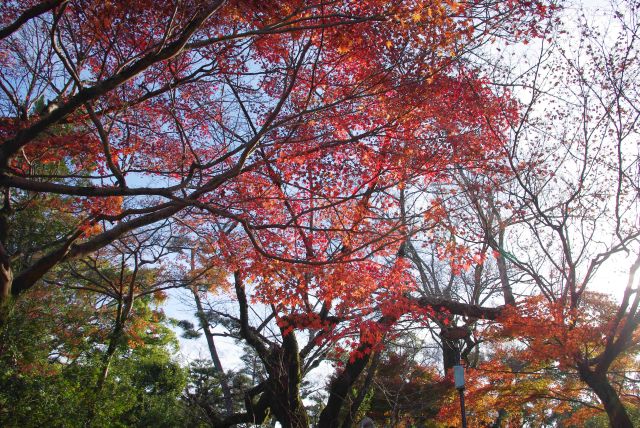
(35,225)
(188,329)
(51,357)
(204,397)
(143,390)
(602,421)
(54,340)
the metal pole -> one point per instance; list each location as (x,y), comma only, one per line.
(462,411)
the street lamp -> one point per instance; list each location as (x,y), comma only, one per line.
(458,378)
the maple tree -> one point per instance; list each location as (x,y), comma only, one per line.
(569,221)
(276,311)
(453,260)
(268,133)
(528,373)
(274,116)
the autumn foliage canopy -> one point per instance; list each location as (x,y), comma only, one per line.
(293,121)
(296,149)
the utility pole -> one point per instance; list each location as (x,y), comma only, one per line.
(458,377)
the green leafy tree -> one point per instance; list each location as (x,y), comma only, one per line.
(51,356)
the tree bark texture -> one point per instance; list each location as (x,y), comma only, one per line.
(598,382)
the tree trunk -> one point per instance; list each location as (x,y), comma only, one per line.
(255,415)
(286,377)
(362,393)
(106,362)
(217,364)
(450,354)
(289,415)
(498,422)
(329,418)
(283,368)
(114,339)
(504,279)
(600,385)
(6,274)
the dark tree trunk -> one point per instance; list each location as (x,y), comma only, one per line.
(282,394)
(329,418)
(107,357)
(498,422)
(504,280)
(362,393)
(286,405)
(256,414)
(450,354)
(284,384)
(114,340)
(600,385)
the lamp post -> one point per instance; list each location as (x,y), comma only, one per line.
(458,377)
